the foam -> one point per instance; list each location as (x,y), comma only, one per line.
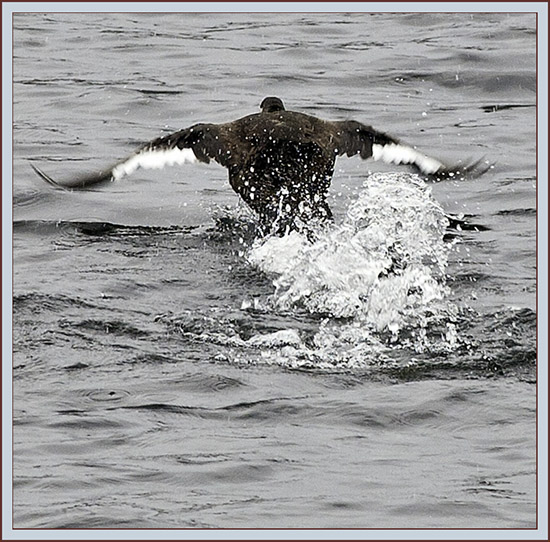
(384,266)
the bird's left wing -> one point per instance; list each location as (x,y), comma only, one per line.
(353,138)
(199,143)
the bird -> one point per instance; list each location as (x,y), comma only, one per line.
(280,162)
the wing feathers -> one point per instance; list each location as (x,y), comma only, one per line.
(77,183)
(355,138)
(200,142)
(396,153)
(203,142)
(153,159)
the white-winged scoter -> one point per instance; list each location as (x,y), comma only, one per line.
(280,162)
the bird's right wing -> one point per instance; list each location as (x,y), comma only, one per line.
(353,138)
(199,143)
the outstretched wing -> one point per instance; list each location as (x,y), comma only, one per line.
(353,138)
(199,143)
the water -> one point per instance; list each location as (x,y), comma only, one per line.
(172,370)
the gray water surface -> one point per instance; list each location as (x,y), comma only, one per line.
(163,378)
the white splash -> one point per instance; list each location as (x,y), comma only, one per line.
(383,267)
(156,159)
(284,337)
(403,154)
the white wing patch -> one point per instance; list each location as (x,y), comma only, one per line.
(402,154)
(153,159)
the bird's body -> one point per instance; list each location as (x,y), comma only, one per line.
(279,162)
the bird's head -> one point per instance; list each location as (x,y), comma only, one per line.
(271,105)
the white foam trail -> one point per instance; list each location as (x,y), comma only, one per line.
(378,278)
(383,266)
(403,154)
(155,159)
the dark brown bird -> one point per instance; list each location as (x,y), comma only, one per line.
(280,162)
